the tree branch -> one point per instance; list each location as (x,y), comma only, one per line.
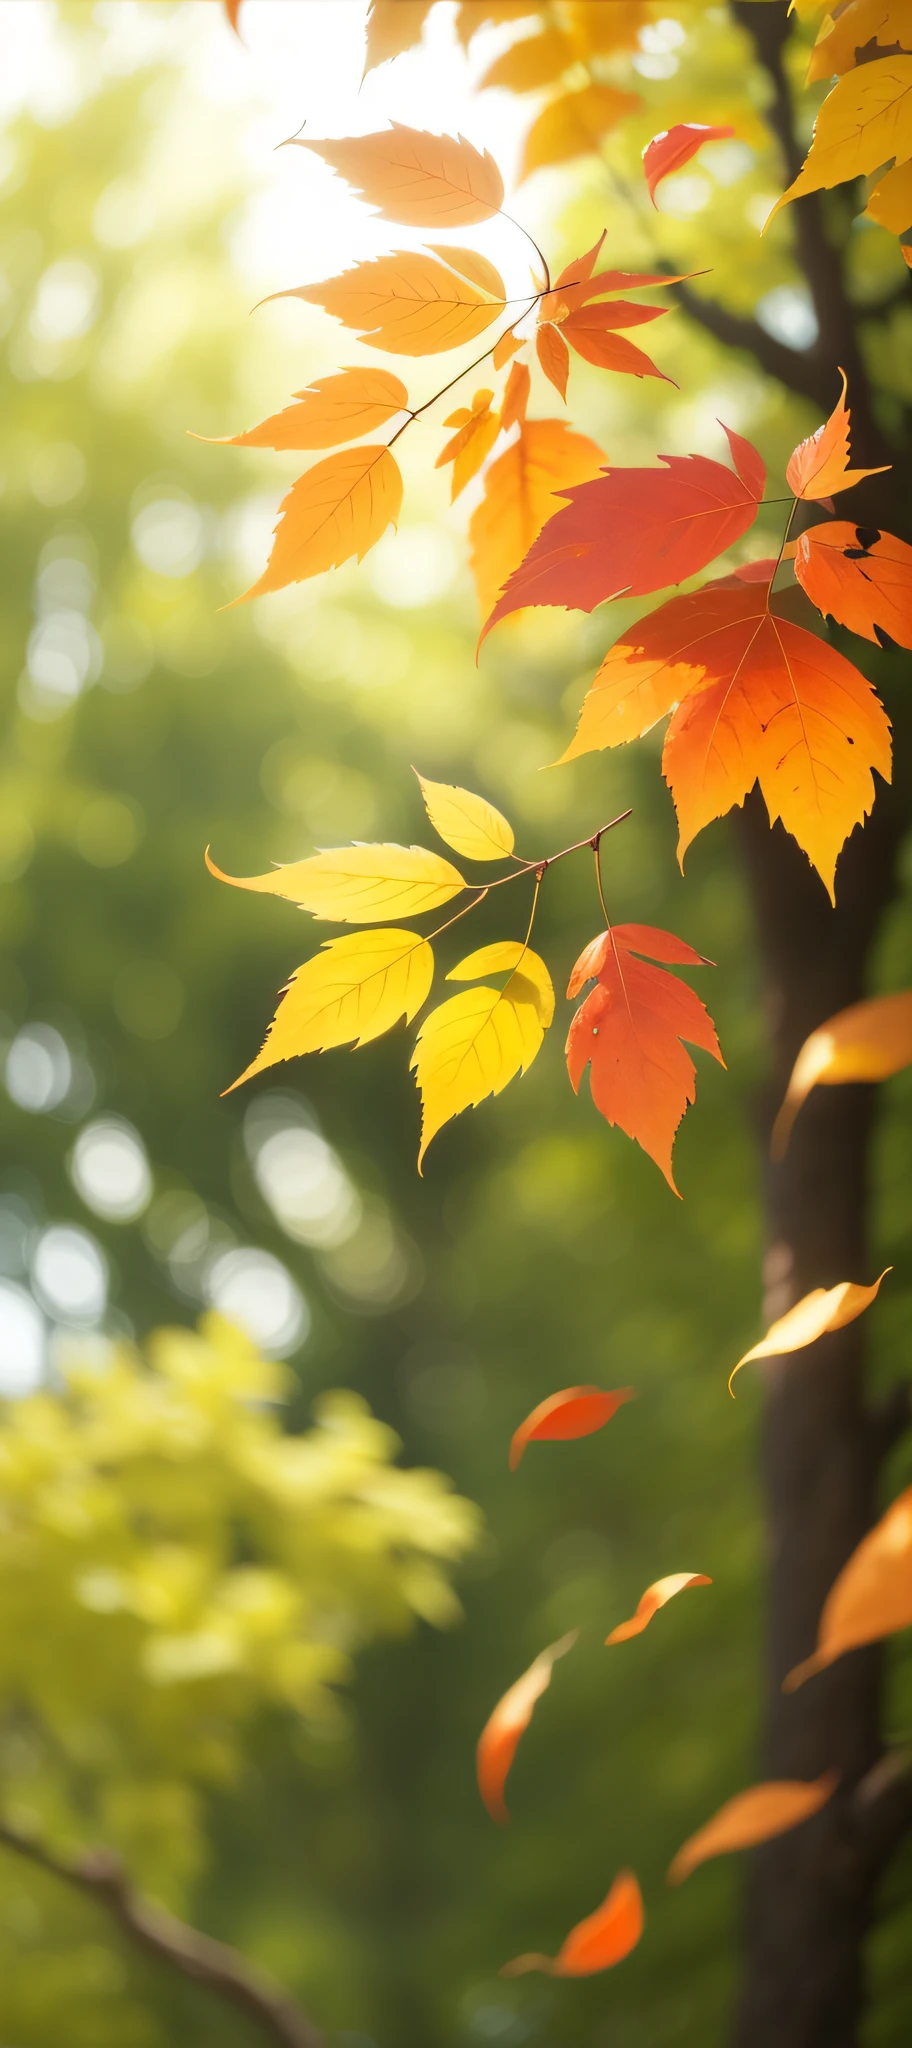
(798,370)
(101,1875)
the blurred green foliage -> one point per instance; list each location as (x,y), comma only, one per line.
(350,1854)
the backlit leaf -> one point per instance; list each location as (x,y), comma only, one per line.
(505,348)
(502,958)
(355,989)
(754,1816)
(868,1042)
(864,122)
(673,148)
(562,1417)
(519,496)
(478,428)
(471,264)
(553,355)
(500,1736)
(339,508)
(392,27)
(574,125)
(467,822)
(825,1308)
(358,884)
(820,465)
(408,303)
(417,179)
(655,1596)
(875,27)
(598,30)
(872,1596)
(591,332)
(332,409)
(516,396)
(473,1045)
(597,1943)
(891,200)
(530,63)
(473,15)
(630,1029)
(860,576)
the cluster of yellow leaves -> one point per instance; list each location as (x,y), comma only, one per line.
(865,123)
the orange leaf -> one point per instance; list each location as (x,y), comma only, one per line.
(825,1308)
(868,1042)
(519,496)
(471,264)
(752,1817)
(516,396)
(637,529)
(860,576)
(339,508)
(597,1943)
(392,27)
(576,284)
(406,302)
(553,355)
(232,9)
(872,1596)
(574,1412)
(590,332)
(574,125)
(530,63)
(420,180)
(820,465)
(478,430)
(673,148)
(630,1029)
(655,1597)
(332,409)
(499,1738)
(505,348)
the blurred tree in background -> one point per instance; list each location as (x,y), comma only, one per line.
(350,1855)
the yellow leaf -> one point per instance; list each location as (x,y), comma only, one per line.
(468,823)
(534,61)
(339,508)
(392,27)
(358,884)
(504,957)
(333,409)
(597,30)
(574,125)
(478,431)
(891,200)
(519,497)
(421,180)
(868,1042)
(471,264)
(407,303)
(872,1596)
(471,1047)
(354,990)
(754,1816)
(874,25)
(864,122)
(825,1308)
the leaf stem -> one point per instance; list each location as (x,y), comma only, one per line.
(415,412)
(596,854)
(539,869)
(788,528)
(543,260)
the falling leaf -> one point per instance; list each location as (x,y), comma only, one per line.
(574,1412)
(868,1042)
(532,62)
(820,465)
(467,822)
(333,409)
(500,1736)
(474,1044)
(407,302)
(519,496)
(673,148)
(825,1308)
(553,355)
(574,125)
(864,123)
(478,428)
(634,530)
(752,1817)
(872,1596)
(655,1597)
(358,884)
(891,200)
(630,1030)
(393,26)
(417,179)
(597,1943)
(339,508)
(516,397)
(860,576)
(355,989)
(869,28)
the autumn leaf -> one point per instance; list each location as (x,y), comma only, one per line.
(597,1943)
(553,355)
(393,26)
(891,200)
(872,1596)
(532,62)
(860,576)
(407,302)
(634,530)
(505,348)
(473,15)
(825,1308)
(520,495)
(873,28)
(572,1413)
(232,10)
(673,148)
(655,1596)
(474,1044)
(820,465)
(579,281)
(332,409)
(358,884)
(754,1816)
(591,332)
(500,1736)
(868,1042)
(574,125)
(478,428)
(417,179)
(351,992)
(339,508)
(630,1030)
(516,397)
(864,123)
(598,30)
(467,822)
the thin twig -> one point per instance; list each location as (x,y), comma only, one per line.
(538,868)
(596,853)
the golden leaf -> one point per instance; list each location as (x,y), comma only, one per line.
(858,26)
(474,1044)
(407,303)
(825,1308)
(351,992)
(418,179)
(868,1042)
(468,823)
(574,125)
(504,956)
(532,62)
(872,1596)
(864,122)
(891,200)
(332,409)
(754,1816)
(478,430)
(519,498)
(340,508)
(358,884)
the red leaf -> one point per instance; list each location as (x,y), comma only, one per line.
(634,530)
(500,1735)
(674,147)
(605,1938)
(575,1411)
(630,1029)
(553,355)
(859,576)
